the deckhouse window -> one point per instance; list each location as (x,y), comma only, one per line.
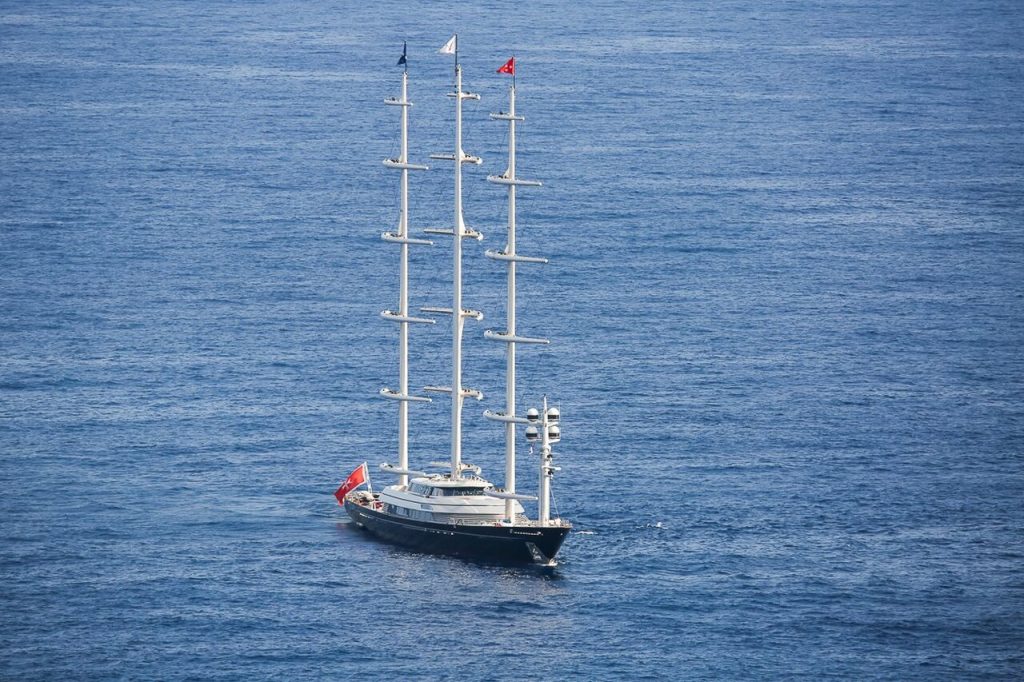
(462,491)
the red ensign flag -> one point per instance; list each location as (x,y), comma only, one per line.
(354,480)
(509,67)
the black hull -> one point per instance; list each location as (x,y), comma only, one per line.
(511,544)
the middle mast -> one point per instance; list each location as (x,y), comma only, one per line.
(459,232)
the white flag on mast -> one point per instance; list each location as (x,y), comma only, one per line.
(450,46)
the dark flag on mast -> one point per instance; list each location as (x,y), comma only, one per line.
(509,67)
(402,60)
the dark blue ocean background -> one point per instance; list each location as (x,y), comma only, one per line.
(787,246)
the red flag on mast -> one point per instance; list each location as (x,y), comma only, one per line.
(509,67)
(354,480)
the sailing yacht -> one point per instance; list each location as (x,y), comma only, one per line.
(457,511)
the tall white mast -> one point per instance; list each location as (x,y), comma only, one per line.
(402,314)
(509,336)
(460,231)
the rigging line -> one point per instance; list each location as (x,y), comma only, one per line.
(396,197)
(396,149)
(504,140)
(520,128)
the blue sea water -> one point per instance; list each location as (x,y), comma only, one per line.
(786,298)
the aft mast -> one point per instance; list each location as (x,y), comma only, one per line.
(510,336)
(459,232)
(401,316)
